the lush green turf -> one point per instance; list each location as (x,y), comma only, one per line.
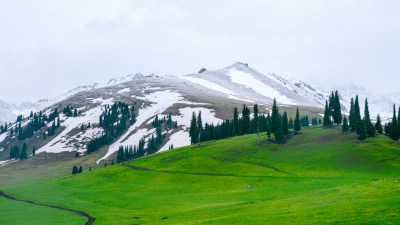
(320,176)
(14,212)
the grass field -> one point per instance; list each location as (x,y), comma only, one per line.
(319,176)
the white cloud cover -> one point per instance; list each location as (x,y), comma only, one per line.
(69,43)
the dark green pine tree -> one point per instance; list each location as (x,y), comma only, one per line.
(285,124)
(255,109)
(121,154)
(367,119)
(245,120)
(395,132)
(297,125)
(235,122)
(351,115)
(345,127)
(193,129)
(327,117)
(290,123)
(337,111)
(33,151)
(76,154)
(23,154)
(199,126)
(278,134)
(357,116)
(268,128)
(74,170)
(363,133)
(274,117)
(80,169)
(378,125)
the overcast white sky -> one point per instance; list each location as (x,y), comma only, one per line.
(49,47)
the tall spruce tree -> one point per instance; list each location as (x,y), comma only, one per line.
(395,132)
(337,111)
(297,126)
(345,127)
(33,151)
(368,124)
(274,117)
(245,120)
(363,133)
(327,116)
(357,116)
(255,115)
(23,154)
(268,128)
(199,126)
(285,124)
(378,125)
(278,134)
(193,129)
(351,115)
(235,122)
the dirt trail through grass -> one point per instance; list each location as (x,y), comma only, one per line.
(80,213)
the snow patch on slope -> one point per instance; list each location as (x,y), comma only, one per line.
(251,82)
(178,139)
(208,84)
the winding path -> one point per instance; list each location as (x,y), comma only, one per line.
(80,213)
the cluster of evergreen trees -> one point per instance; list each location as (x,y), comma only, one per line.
(75,170)
(392,128)
(165,120)
(37,122)
(18,153)
(274,123)
(132,152)
(4,128)
(333,111)
(69,111)
(114,120)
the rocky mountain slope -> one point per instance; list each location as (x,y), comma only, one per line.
(215,93)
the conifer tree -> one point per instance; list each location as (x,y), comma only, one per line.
(297,126)
(23,154)
(80,169)
(245,120)
(363,133)
(357,116)
(290,123)
(74,170)
(285,124)
(193,129)
(255,109)
(345,127)
(77,154)
(199,126)
(268,128)
(274,117)
(337,111)
(278,134)
(351,115)
(121,154)
(235,122)
(327,117)
(33,151)
(368,124)
(395,132)
(378,125)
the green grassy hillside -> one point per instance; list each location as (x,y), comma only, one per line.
(319,176)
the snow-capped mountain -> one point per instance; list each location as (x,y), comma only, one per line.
(213,92)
